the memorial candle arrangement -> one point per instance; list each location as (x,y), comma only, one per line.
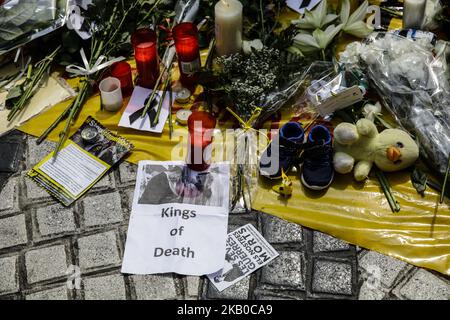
(146,56)
(200,125)
(228,17)
(413,13)
(186,45)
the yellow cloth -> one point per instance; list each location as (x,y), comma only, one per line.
(357,213)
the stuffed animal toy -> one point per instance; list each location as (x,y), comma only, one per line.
(359,146)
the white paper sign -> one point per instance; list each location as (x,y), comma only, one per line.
(137,102)
(178,221)
(246,252)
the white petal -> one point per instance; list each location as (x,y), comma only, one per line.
(328,19)
(359,13)
(345,11)
(306,43)
(358,29)
(320,12)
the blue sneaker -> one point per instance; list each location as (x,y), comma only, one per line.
(318,170)
(283,151)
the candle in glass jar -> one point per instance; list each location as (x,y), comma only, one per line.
(146,56)
(413,13)
(122,71)
(200,126)
(185,36)
(228,17)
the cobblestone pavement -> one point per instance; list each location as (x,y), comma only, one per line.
(42,243)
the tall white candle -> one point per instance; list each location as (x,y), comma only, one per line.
(413,13)
(228,16)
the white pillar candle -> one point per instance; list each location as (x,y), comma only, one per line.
(111,94)
(228,17)
(413,13)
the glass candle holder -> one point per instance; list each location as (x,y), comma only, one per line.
(185,36)
(200,127)
(111,94)
(146,56)
(122,71)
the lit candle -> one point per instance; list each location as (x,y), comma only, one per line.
(122,71)
(228,16)
(413,13)
(146,56)
(200,126)
(185,36)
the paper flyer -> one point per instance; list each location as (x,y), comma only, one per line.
(246,252)
(82,162)
(179,219)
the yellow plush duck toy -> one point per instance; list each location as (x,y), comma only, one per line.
(359,146)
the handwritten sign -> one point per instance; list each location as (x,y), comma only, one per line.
(178,221)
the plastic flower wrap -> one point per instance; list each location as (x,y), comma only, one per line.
(25,20)
(413,84)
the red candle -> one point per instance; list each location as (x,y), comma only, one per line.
(146,56)
(200,126)
(185,36)
(122,71)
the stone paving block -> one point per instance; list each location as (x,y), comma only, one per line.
(368,291)
(374,263)
(8,196)
(59,293)
(128,172)
(192,287)
(102,209)
(110,287)
(13,231)
(276,230)
(287,270)
(34,192)
(55,220)
(38,152)
(8,275)
(323,242)
(106,182)
(46,263)
(98,250)
(154,287)
(425,286)
(332,277)
(270,296)
(238,291)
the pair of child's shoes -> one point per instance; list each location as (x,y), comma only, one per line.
(285,151)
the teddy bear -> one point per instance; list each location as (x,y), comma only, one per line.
(360,146)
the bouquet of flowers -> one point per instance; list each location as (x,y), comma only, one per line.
(418,96)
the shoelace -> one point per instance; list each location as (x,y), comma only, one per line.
(317,154)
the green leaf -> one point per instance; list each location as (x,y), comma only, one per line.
(358,29)
(419,180)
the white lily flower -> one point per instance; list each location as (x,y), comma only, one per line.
(354,24)
(315,19)
(319,40)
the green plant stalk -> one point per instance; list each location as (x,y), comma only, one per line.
(387,191)
(161,101)
(152,96)
(32,82)
(444,185)
(98,47)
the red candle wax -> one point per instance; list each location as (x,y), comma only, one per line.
(200,126)
(185,36)
(122,71)
(146,56)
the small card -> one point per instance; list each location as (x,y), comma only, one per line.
(301,5)
(131,118)
(340,100)
(246,252)
(83,161)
